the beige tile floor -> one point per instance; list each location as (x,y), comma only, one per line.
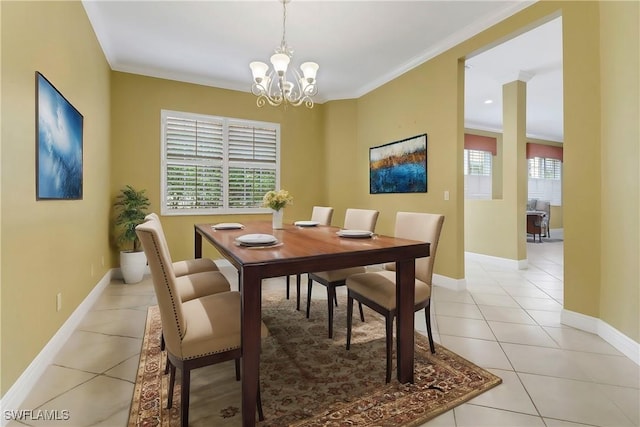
(506,321)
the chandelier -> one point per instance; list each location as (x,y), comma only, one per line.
(274,86)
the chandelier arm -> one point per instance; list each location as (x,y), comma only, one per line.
(312,90)
(301,92)
(257,89)
(308,102)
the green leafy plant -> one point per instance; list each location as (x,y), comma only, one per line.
(131,208)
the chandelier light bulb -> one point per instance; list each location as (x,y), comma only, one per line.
(280,62)
(287,87)
(304,84)
(309,70)
(259,71)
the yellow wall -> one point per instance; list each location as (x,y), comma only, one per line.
(49,246)
(423,100)
(1,388)
(136,102)
(324,159)
(428,99)
(341,151)
(620,233)
(581,153)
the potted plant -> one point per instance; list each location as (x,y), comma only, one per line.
(131,208)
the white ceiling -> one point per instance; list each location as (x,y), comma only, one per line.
(535,57)
(359,44)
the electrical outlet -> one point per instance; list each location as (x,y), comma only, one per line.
(59,301)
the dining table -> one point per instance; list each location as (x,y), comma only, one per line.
(303,249)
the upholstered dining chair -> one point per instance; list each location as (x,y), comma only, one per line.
(193,279)
(355,219)
(189,266)
(323,215)
(199,332)
(377,290)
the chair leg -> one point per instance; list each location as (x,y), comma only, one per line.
(349,319)
(309,286)
(259,404)
(331,296)
(389,333)
(162,346)
(184,396)
(361,312)
(298,279)
(287,287)
(427,315)
(167,365)
(237,369)
(172,379)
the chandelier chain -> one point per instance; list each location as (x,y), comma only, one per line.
(284,24)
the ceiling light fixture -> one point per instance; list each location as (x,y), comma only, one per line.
(273,86)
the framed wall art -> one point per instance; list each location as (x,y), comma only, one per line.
(399,167)
(58,144)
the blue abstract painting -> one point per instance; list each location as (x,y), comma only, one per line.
(59,145)
(399,167)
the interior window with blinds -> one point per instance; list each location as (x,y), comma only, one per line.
(217,165)
(477,174)
(545,179)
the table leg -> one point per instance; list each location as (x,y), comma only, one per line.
(298,278)
(405,298)
(197,249)
(251,319)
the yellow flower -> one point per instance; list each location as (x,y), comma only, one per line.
(277,200)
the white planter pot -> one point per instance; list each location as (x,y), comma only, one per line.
(132,265)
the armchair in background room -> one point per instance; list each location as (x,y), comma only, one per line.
(536,206)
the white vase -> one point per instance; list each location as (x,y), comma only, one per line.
(276,219)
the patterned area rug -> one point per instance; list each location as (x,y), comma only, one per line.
(309,380)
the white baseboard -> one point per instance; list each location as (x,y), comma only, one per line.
(617,339)
(14,397)
(514,264)
(116,273)
(449,283)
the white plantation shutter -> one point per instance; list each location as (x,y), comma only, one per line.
(252,164)
(477,174)
(217,165)
(545,179)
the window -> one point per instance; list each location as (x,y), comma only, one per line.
(545,179)
(477,174)
(217,165)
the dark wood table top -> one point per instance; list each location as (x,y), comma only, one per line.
(305,249)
